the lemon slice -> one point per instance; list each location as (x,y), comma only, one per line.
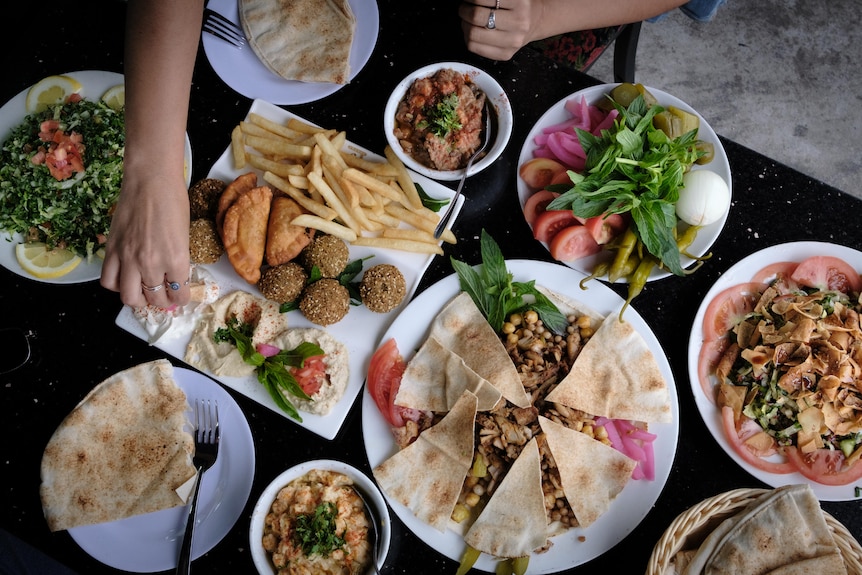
(37,259)
(50,91)
(115,96)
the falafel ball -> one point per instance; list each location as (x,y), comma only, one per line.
(382,288)
(283,283)
(205,245)
(203,198)
(325,301)
(328,253)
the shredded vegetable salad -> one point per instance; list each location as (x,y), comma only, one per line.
(73,212)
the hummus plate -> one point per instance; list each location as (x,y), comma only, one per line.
(630,506)
(360,330)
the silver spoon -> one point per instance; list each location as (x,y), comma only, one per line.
(375,526)
(486,119)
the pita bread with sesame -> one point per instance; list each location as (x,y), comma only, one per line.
(124,450)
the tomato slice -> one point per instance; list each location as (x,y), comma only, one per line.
(385,367)
(536,204)
(312,375)
(572,243)
(744,452)
(538,172)
(770,272)
(828,273)
(606,227)
(825,466)
(710,354)
(550,222)
(728,308)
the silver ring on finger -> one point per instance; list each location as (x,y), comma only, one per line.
(497,6)
(154,288)
(492,20)
(176,285)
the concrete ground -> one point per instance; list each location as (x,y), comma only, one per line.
(778,76)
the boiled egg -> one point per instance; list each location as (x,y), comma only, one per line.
(703,199)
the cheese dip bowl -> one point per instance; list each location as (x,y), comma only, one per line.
(406,124)
(323,480)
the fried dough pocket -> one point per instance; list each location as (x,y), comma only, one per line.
(285,240)
(244,232)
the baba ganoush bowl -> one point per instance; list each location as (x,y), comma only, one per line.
(361,482)
(501,118)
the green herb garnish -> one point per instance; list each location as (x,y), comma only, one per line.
(634,167)
(497,296)
(443,116)
(316,532)
(272,371)
(433,204)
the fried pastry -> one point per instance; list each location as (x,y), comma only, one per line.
(231,193)
(285,240)
(244,232)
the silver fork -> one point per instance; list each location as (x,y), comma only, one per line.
(486,138)
(207,435)
(222,28)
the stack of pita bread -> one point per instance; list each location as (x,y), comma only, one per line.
(782,532)
(124,450)
(303,40)
(615,376)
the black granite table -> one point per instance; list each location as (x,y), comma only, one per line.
(76,343)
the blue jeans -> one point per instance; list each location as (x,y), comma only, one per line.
(700,10)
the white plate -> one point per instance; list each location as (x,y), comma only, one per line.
(241,69)
(557,113)
(495,95)
(635,500)
(360,331)
(151,542)
(739,273)
(362,482)
(94,83)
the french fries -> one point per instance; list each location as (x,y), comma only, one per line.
(364,201)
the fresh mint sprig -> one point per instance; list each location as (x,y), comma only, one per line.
(492,289)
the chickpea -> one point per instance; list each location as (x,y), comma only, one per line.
(508,327)
(531,316)
(516,319)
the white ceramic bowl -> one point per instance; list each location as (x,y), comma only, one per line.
(362,482)
(496,96)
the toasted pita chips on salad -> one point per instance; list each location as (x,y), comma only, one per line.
(427,475)
(436,377)
(616,376)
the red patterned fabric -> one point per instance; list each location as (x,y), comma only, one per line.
(578,50)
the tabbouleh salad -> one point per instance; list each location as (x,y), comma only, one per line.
(74,212)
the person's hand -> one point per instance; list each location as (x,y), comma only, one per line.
(512,26)
(147,254)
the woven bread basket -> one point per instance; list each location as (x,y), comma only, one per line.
(694,524)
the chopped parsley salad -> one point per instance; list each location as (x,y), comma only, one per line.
(60,175)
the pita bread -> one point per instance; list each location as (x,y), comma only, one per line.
(616,376)
(304,40)
(435,378)
(514,523)
(592,473)
(427,475)
(122,451)
(462,329)
(781,533)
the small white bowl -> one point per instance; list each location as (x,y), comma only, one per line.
(493,91)
(362,482)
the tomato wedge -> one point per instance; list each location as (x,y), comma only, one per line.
(828,273)
(384,374)
(824,466)
(710,354)
(550,222)
(536,204)
(606,227)
(744,452)
(572,243)
(728,308)
(312,375)
(771,271)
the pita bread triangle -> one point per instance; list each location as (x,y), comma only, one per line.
(592,473)
(462,329)
(122,451)
(435,378)
(514,522)
(427,475)
(616,376)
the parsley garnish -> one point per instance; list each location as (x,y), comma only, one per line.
(497,296)
(633,167)
(316,533)
(271,371)
(443,116)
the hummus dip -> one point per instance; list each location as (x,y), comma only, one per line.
(337,370)
(223,358)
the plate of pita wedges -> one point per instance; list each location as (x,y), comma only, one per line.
(117,472)
(298,51)
(620,375)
